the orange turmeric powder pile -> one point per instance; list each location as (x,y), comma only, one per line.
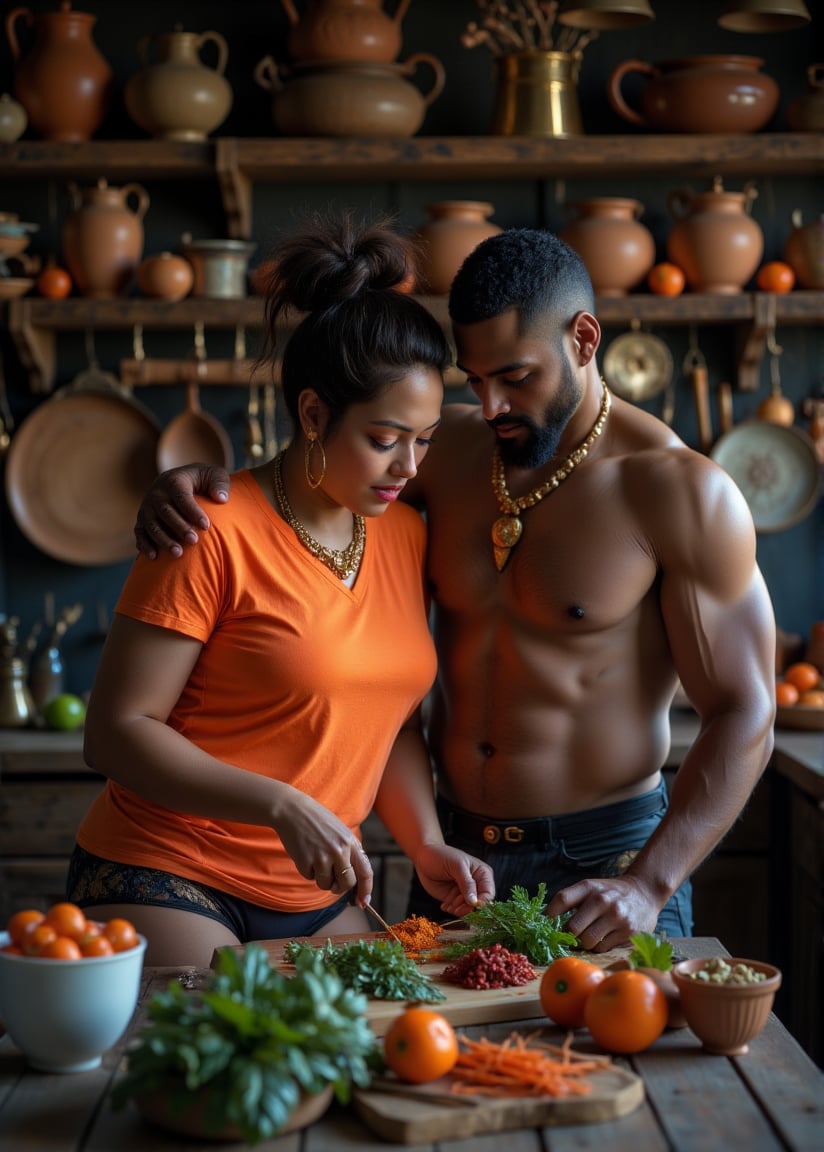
(417,935)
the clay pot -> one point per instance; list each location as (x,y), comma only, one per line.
(220,266)
(804,251)
(455,228)
(714,240)
(165,276)
(333,31)
(103,238)
(13,119)
(617,249)
(178,97)
(806,113)
(349,99)
(698,94)
(64,83)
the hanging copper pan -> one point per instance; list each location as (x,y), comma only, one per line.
(78,467)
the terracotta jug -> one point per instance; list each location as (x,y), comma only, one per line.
(103,238)
(806,113)
(698,94)
(349,99)
(714,240)
(337,30)
(616,247)
(64,83)
(177,96)
(455,228)
(804,251)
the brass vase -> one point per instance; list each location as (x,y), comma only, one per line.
(537,95)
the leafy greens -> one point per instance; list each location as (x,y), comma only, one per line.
(519,924)
(379,968)
(255,1039)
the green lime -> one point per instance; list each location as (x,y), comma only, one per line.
(65,712)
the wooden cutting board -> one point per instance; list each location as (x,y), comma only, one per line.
(406,1120)
(462,1006)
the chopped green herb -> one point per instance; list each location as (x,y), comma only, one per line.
(519,924)
(650,951)
(379,968)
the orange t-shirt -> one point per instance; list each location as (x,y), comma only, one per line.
(300,678)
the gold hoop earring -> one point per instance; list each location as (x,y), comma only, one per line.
(311,441)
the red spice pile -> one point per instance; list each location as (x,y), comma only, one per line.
(494,967)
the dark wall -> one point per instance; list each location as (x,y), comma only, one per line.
(792,560)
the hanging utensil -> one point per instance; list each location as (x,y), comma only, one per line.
(637,365)
(270,420)
(777,408)
(695,369)
(253,436)
(725,408)
(6,418)
(194,435)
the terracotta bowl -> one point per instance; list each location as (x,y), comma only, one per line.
(726,1016)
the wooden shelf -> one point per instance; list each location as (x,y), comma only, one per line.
(34,322)
(237,163)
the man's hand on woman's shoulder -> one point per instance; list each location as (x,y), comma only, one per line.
(169,515)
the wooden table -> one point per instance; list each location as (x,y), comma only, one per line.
(770,1099)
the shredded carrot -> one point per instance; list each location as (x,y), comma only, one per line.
(516,1068)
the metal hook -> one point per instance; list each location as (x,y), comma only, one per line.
(694,357)
(240,342)
(91,354)
(138,351)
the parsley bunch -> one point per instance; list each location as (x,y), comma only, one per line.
(379,968)
(256,1040)
(519,924)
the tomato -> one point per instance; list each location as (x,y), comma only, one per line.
(121,934)
(67,920)
(420,1045)
(812,698)
(786,694)
(802,676)
(776,276)
(20,923)
(54,282)
(666,279)
(564,989)
(626,1012)
(36,937)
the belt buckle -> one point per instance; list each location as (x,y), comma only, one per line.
(511,833)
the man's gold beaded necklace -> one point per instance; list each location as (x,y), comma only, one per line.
(507,529)
(343,563)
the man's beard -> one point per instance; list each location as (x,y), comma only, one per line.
(541,444)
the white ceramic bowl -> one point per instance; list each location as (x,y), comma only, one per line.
(64,1014)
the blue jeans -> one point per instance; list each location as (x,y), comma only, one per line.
(559,850)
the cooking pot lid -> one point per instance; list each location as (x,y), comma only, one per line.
(76,472)
(776,468)
(637,365)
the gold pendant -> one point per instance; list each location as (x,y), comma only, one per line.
(506,532)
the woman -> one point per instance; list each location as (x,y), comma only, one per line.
(259,695)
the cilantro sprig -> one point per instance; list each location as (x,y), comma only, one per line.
(256,1039)
(519,924)
(650,951)
(378,968)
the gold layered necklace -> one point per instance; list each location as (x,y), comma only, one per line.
(507,529)
(343,563)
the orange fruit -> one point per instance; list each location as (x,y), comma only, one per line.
(99,945)
(36,937)
(786,694)
(813,698)
(420,1045)
(61,948)
(54,283)
(121,934)
(802,676)
(565,987)
(67,920)
(776,276)
(20,923)
(626,1012)
(666,279)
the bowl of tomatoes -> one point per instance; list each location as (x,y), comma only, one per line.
(799,697)
(68,985)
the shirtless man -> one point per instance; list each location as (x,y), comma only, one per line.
(564,626)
